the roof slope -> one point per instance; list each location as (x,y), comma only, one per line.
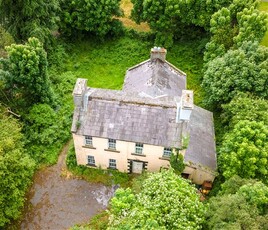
(201,149)
(155,78)
(124,116)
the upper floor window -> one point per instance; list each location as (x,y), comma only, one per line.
(90,160)
(167,152)
(139,148)
(111,144)
(112,163)
(88,140)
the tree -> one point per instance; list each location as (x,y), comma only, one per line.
(166,201)
(242,70)
(5,40)
(24,19)
(96,17)
(26,76)
(168,19)
(245,107)
(16,170)
(239,22)
(244,151)
(244,207)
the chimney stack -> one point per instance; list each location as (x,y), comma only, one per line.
(158,52)
(186,105)
(79,91)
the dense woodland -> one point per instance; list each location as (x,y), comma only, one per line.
(220,44)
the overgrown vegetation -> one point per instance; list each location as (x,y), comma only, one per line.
(36,102)
(97,175)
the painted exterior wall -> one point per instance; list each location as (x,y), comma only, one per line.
(125,152)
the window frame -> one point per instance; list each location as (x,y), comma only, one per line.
(112,163)
(88,140)
(139,148)
(91,160)
(111,143)
(167,150)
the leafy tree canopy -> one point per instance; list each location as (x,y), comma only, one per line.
(242,204)
(242,70)
(231,26)
(26,76)
(245,107)
(24,19)
(166,201)
(244,151)
(16,170)
(96,17)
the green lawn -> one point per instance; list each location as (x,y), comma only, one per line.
(104,64)
(264,7)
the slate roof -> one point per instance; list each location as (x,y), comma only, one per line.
(155,78)
(126,116)
(201,149)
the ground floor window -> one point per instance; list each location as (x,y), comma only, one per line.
(112,163)
(91,160)
(167,152)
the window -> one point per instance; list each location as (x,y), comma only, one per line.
(138,148)
(167,152)
(88,140)
(112,163)
(111,144)
(91,160)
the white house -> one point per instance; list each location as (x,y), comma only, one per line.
(135,129)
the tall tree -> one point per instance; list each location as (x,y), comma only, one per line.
(242,70)
(26,76)
(30,18)
(168,19)
(244,151)
(244,207)
(245,107)
(96,17)
(165,201)
(16,170)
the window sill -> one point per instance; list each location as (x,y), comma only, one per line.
(164,158)
(88,147)
(112,150)
(137,154)
(91,165)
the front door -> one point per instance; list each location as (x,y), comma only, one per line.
(137,167)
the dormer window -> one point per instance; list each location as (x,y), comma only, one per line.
(111,144)
(88,140)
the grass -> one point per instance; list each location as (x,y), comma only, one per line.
(126,5)
(264,7)
(97,222)
(105,64)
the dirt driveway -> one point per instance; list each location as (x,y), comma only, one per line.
(56,202)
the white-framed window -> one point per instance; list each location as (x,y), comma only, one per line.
(139,148)
(90,160)
(112,163)
(167,152)
(88,140)
(111,144)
